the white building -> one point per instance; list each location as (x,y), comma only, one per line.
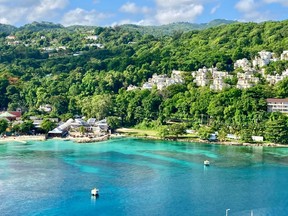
(263,59)
(277,105)
(201,76)
(131,88)
(218,80)
(91,37)
(246,80)
(284,55)
(162,81)
(242,63)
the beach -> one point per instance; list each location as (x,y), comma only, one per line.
(23,138)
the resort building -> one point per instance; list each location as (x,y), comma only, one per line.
(277,105)
(243,63)
(201,76)
(218,80)
(246,80)
(132,87)
(284,56)
(263,59)
(162,81)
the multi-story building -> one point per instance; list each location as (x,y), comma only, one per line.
(277,105)
(246,80)
(242,63)
(264,59)
(284,55)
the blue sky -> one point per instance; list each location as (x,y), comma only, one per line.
(149,12)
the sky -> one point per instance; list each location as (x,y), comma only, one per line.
(148,12)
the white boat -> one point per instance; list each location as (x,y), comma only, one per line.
(95,192)
(206,162)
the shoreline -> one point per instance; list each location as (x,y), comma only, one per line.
(23,139)
(126,132)
(83,140)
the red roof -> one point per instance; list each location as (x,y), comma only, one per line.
(277,100)
(16,113)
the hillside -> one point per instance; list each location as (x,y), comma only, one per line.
(7,28)
(86,71)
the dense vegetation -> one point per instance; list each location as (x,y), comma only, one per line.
(78,78)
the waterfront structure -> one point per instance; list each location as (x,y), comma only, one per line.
(277,105)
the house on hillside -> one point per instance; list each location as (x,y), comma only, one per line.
(8,116)
(284,55)
(277,105)
(46,108)
(246,80)
(242,63)
(264,58)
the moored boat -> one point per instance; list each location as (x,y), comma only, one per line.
(95,192)
(206,162)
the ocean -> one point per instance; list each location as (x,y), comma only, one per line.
(141,177)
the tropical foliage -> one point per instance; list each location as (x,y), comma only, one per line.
(49,64)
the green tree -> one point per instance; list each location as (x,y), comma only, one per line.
(26,126)
(99,106)
(204,132)
(82,130)
(177,129)
(114,122)
(3,125)
(47,125)
(277,130)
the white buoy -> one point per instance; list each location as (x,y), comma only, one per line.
(95,192)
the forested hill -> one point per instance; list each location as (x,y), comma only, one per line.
(158,31)
(7,29)
(86,71)
(173,28)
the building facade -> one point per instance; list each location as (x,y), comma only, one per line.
(277,105)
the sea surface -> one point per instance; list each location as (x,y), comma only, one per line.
(142,177)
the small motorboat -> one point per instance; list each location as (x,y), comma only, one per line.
(206,163)
(95,192)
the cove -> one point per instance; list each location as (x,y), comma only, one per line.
(141,177)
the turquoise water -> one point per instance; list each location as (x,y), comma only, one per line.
(140,177)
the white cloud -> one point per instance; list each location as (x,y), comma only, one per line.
(131,7)
(214,9)
(283,2)
(30,10)
(250,10)
(46,8)
(80,16)
(144,22)
(169,11)
(246,5)
(188,13)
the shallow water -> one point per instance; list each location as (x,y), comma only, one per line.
(140,177)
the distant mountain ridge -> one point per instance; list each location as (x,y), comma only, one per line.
(4,28)
(162,30)
(170,29)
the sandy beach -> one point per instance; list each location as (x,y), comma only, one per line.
(22,138)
